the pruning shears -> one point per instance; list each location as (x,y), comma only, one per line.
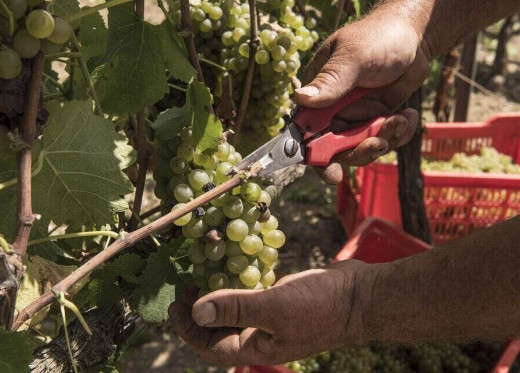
(308,138)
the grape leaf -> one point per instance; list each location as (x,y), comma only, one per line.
(41,274)
(170,122)
(207,129)
(127,266)
(175,54)
(64,8)
(157,291)
(15,351)
(93,35)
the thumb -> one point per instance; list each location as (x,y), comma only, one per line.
(236,308)
(333,81)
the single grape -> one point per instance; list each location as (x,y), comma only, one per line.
(198,14)
(215,250)
(10,64)
(284,41)
(268,255)
(200,281)
(250,192)
(199,269)
(215,13)
(199,159)
(250,276)
(233,248)
(222,151)
(179,165)
(218,281)
(233,158)
(39,23)
(206,26)
(274,238)
(265,197)
(245,8)
(238,33)
(62,31)
(271,189)
(210,163)
(236,264)
(183,220)
(255,228)
(279,66)
(185,151)
(262,57)
(268,278)
(25,44)
(278,52)
(187,135)
(221,171)
(195,228)
(237,230)
(198,178)
(227,38)
(251,244)
(196,253)
(48,47)
(233,207)
(243,49)
(183,193)
(250,214)
(268,37)
(214,216)
(213,266)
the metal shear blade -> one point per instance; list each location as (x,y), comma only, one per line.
(282,151)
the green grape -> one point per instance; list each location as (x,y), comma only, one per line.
(215,13)
(48,47)
(210,163)
(10,64)
(262,57)
(279,66)
(195,228)
(238,33)
(199,269)
(198,14)
(39,23)
(255,228)
(271,189)
(243,49)
(268,37)
(187,135)
(206,26)
(200,158)
(233,158)
(219,201)
(214,216)
(206,6)
(183,193)
(16,7)
(236,264)
(235,283)
(250,276)
(227,38)
(198,178)
(284,41)
(278,52)
(62,31)
(245,8)
(233,207)
(237,230)
(268,278)
(268,255)
(215,250)
(250,192)
(250,214)
(179,165)
(233,248)
(315,36)
(26,45)
(218,281)
(185,151)
(222,151)
(214,265)
(183,220)
(251,244)
(196,253)
(160,191)
(274,238)
(270,225)
(221,171)
(265,198)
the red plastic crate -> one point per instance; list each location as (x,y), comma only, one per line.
(456,203)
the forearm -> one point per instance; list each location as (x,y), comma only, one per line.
(467,290)
(443,24)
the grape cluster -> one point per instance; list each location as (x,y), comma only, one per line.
(489,160)
(233,240)
(222,35)
(29,33)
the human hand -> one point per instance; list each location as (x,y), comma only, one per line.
(381,50)
(301,315)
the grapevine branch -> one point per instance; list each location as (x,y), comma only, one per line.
(253,46)
(341,8)
(187,30)
(142,149)
(123,242)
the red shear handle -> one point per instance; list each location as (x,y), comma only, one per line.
(311,120)
(319,152)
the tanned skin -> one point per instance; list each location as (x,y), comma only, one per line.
(467,290)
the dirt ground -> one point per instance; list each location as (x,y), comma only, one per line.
(306,210)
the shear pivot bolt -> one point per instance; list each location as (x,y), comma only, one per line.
(291,147)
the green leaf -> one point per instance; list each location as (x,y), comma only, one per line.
(157,291)
(103,292)
(207,129)
(127,266)
(133,75)
(64,8)
(93,35)
(15,351)
(170,122)
(175,54)
(8,157)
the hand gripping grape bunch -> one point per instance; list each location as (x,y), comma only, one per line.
(27,31)
(233,240)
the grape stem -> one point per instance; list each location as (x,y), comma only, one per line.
(211,63)
(253,46)
(124,241)
(94,9)
(74,235)
(341,8)
(179,88)
(54,82)
(10,18)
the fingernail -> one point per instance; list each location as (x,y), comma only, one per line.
(400,130)
(205,314)
(309,91)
